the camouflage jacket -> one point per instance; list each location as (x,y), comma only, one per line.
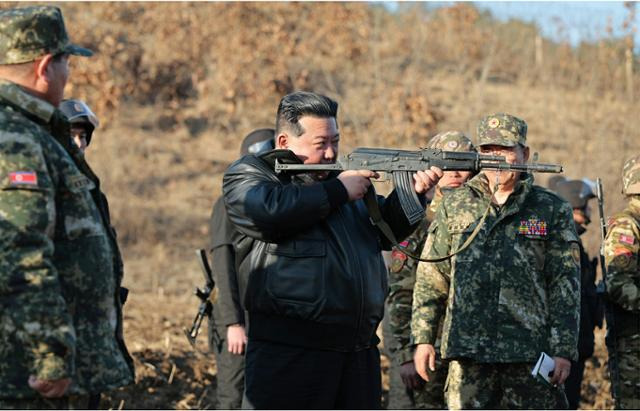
(59,301)
(402,277)
(622,259)
(515,291)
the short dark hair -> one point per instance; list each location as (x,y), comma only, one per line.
(303,103)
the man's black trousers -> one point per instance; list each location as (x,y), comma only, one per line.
(279,376)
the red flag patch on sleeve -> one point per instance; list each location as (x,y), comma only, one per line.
(627,239)
(23,178)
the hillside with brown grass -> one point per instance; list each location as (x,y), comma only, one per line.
(178,85)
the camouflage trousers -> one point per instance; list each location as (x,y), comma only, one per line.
(628,388)
(69,402)
(472,385)
(429,397)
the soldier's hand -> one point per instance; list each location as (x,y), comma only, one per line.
(410,376)
(357,182)
(425,356)
(561,370)
(427,179)
(49,388)
(236,339)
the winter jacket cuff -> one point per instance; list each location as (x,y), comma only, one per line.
(336,192)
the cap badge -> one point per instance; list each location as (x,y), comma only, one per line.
(452,144)
(77,107)
(493,123)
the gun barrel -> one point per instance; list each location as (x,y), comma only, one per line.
(531,168)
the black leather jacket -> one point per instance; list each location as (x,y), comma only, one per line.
(316,277)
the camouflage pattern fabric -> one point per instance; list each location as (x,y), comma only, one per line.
(622,254)
(628,351)
(31,32)
(451,141)
(622,259)
(497,386)
(502,130)
(59,307)
(515,291)
(402,277)
(631,176)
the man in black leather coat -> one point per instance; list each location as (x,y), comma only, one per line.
(227,334)
(317,282)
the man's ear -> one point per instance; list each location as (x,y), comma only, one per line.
(282,141)
(43,68)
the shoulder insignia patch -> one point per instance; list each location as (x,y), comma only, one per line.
(398,259)
(622,251)
(627,239)
(23,178)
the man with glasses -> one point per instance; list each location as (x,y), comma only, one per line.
(513,293)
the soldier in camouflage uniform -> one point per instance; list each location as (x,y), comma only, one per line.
(407,389)
(511,294)
(60,309)
(622,259)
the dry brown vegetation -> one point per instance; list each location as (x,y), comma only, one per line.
(177,86)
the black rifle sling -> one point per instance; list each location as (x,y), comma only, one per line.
(377,220)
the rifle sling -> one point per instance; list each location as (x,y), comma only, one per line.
(377,220)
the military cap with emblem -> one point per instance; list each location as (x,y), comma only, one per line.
(451,141)
(502,130)
(31,32)
(631,176)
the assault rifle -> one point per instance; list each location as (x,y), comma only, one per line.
(206,306)
(401,164)
(611,338)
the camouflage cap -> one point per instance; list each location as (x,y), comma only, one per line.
(631,176)
(502,130)
(451,141)
(31,32)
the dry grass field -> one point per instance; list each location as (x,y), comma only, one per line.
(178,85)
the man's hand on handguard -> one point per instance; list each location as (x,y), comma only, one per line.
(357,182)
(561,370)
(425,180)
(49,388)
(424,356)
(410,376)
